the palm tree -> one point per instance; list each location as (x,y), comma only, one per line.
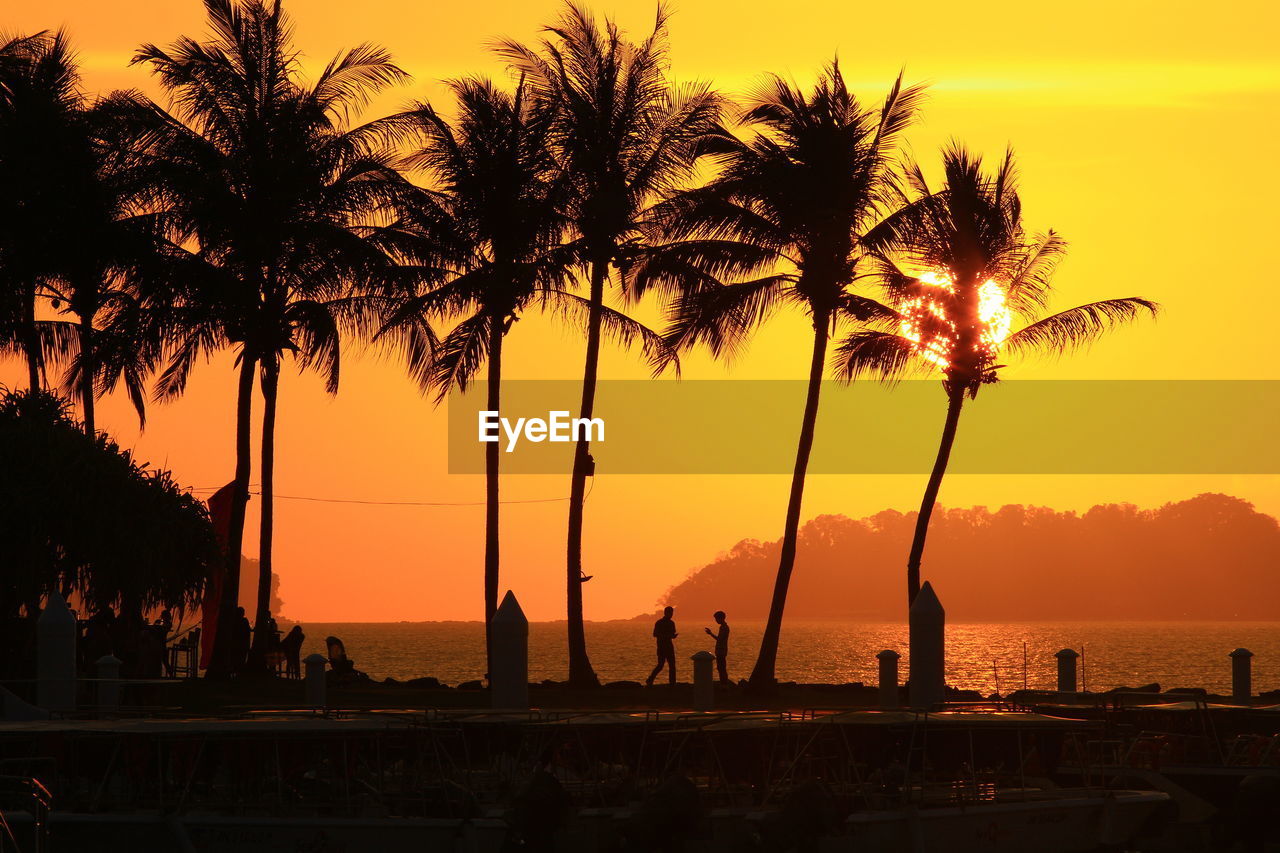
(959,268)
(41,152)
(271,200)
(486,239)
(117,245)
(71,190)
(624,136)
(785,215)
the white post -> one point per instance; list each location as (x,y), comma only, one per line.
(509,667)
(704,690)
(927,630)
(889,678)
(1067,670)
(1241,677)
(107,669)
(56,656)
(315,680)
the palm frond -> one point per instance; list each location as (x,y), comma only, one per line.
(722,317)
(1077,327)
(618,327)
(882,355)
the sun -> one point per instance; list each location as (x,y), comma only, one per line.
(929,318)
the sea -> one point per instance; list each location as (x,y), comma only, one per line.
(987,657)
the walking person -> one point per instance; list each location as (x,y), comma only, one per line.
(722,646)
(664,631)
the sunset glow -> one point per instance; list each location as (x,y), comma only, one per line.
(927,322)
(994,315)
(1085,106)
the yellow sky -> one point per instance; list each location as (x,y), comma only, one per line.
(1145,133)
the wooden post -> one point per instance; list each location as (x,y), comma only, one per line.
(1067,670)
(704,690)
(1241,676)
(889,678)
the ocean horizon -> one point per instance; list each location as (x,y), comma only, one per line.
(982,656)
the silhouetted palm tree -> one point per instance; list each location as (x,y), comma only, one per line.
(270,198)
(960,269)
(786,216)
(68,190)
(41,144)
(116,245)
(624,136)
(485,237)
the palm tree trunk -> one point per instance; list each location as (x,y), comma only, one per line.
(764,673)
(222,661)
(491,458)
(955,401)
(262,613)
(31,338)
(87,371)
(580,672)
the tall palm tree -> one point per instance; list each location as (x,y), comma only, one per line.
(117,245)
(960,270)
(486,238)
(68,190)
(271,199)
(785,215)
(40,152)
(624,135)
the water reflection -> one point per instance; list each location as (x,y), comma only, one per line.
(1175,654)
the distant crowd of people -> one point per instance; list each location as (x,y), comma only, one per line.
(138,644)
(664,632)
(143,650)
(280,653)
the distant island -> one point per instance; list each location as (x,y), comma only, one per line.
(1210,557)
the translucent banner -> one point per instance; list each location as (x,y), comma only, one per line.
(751,427)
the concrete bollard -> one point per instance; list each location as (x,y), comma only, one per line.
(315,680)
(509,667)
(889,678)
(928,623)
(56,656)
(704,690)
(107,670)
(1241,676)
(1067,670)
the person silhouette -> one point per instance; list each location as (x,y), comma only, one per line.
(291,646)
(722,645)
(664,630)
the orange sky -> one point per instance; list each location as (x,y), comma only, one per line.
(1144,132)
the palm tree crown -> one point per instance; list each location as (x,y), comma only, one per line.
(786,214)
(483,236)
(44,159)
(968,285)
